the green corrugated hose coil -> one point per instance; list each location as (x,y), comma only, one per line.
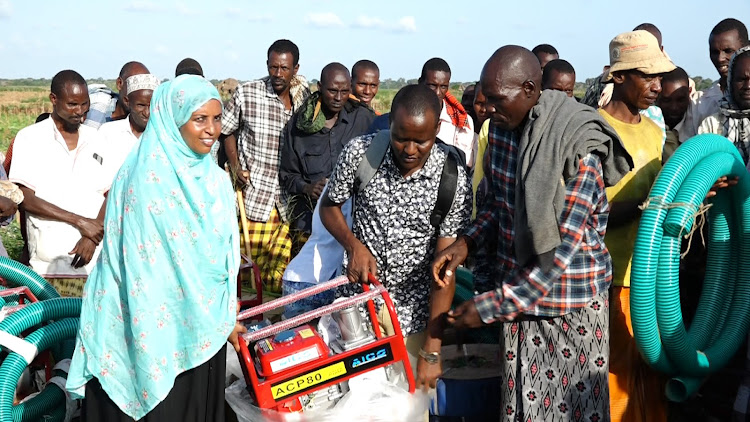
(50,403)
(676,198)
(18,275)
(52,397)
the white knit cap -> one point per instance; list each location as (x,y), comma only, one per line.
(138,82)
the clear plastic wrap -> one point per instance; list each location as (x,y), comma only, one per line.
(372,401)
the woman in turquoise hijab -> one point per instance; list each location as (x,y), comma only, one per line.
(160,304)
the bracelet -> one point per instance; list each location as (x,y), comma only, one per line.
(429,357)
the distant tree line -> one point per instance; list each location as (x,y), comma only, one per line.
(700,83)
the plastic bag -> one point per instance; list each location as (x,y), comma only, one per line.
(373,402)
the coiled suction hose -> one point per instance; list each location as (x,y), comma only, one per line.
(21,275)
(673,203)
(14,365)
(51,401)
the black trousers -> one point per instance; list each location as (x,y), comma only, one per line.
(197,396)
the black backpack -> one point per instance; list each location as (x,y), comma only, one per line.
(447,189)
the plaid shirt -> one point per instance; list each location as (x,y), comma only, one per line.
(260,116)
(582,267)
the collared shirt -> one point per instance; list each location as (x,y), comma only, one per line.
(462,138)
(307,158)
(259,114)
(116,140)
(582,266)
(392,219)
(68,179)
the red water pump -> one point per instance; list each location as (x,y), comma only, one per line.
(288,366)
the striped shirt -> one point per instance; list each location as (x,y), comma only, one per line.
(259,114)
(582,266)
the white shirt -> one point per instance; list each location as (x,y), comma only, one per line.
(706,104)
(321,257)
(68,179)
(462,138)
(116,140)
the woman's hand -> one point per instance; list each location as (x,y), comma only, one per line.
(234,336)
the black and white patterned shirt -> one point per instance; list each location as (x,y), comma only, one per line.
(392,218)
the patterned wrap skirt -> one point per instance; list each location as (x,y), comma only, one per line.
(556,369)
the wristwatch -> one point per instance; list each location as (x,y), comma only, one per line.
(430,357)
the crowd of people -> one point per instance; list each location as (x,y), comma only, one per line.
(126,199)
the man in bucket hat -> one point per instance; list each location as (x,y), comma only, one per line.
(636,68)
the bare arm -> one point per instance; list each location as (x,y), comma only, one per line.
(84,250)
(230,147)
(441,298)
(361,260)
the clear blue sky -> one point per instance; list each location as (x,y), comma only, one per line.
(230,38)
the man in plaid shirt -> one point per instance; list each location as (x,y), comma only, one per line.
(553,305)
(252,122)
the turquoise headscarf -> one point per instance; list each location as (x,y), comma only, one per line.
(162,297)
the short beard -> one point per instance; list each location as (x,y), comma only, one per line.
(70,127)
(138,127)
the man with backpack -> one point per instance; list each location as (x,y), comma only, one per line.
(412,198)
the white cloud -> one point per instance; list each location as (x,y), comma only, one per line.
(406,24)
(142,6)
(368,22)
(184,10)
(462,20)
(324,20)
(161,49)
(6,9)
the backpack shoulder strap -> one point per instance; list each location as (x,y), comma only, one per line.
(446,190)
(371,160)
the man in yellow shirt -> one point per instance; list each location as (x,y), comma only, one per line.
(637,65)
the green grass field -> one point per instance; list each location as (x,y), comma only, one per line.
(19,107)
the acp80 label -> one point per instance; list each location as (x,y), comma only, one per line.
(303,382)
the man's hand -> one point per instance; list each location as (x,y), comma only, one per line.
(82,252)
(240,177)
(7,207)
(445,263)
(427,374)
(722,183)
(314,190)
(465,316)
(91,228)
(234,336)
(361,262)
